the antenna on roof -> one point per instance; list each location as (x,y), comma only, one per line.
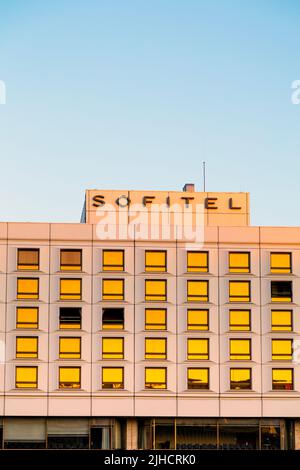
(204,177)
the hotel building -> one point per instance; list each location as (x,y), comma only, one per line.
(114,335)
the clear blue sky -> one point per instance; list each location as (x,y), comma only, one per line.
(136,94)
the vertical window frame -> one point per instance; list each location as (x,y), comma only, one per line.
(202,269)
(108,250)
(27,323)
(26,354)
(165,295)
(165,266)
(26,367)
(109,296)
(239,269)
(208,378)
(19,250)
(62,265)
(277,269)
(249,340)
(122,384)
(76,383)
(193,298)
(165,383)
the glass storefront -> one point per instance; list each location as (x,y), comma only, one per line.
(62,433)
(214,433)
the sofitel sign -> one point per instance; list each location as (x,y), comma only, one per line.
(210,203)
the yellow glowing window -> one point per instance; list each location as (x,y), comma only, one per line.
(282,349)
(113,319)
(69,348)
(240,379)
(239,291)
(113,289)
(27,288)
(239,262)
(198,379)
(281,320)
(26,347)
(240,349)
(155,348)
(27,317)
(197,319)
(28,259)
(69,318)
(69,377)
(197,261)
(239,320)
(155,377)
(26,377)
(113,377)
(70,289)
(70,260)
(282,379)
(197,349)
(155,261)
(155,319)
(155,289)
(113,260)
(281,263)
(281,291)
(197,291)
(113,348)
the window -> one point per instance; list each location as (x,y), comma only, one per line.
(113,260)
(27,288)
(197,349)
(239,320)
(282,349)
(70,289)
(239,262)
(26,377)
(155,377)
(240,349)
(281,291)
(26,347)
(28,259)
(27,317)
(197,291)
(70,318)
(155,348)
(112,348)
(197,319)
(113,289)
(282,320)
(282,379)
(239,291)
(70,260)
(155,319)
(69,377)
(69,348)
(281,263)
(113,377)
(198,379)
(113,319)
(240,379)
(197,261)
(155,289)
(155,261)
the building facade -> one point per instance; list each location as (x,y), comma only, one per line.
(116,335)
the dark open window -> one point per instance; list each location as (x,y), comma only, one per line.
(281,291)
(69,318)
(113,319)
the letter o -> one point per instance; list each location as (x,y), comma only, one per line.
(123,201)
